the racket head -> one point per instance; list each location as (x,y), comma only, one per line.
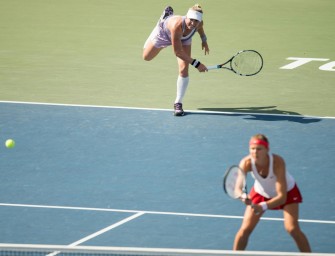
(247,63)
(235,182)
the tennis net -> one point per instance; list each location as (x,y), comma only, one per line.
(61,250)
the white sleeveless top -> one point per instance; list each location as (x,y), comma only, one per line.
(267,186)
(168,33)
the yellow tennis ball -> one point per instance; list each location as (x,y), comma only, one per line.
(10,143)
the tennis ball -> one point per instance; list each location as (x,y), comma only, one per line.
(10,143)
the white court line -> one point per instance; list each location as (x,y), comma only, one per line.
(106,229)
(107,250)
(160,109)
(98,233)
(156,212)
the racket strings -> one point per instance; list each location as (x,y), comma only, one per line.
(247,63)
(235,183)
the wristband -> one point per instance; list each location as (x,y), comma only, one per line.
(195,63)
(204,38)
(264,206)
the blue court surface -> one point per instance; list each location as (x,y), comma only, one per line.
(109,176)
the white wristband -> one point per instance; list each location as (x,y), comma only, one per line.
(264,206)
(195,63)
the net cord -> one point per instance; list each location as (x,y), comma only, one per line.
(91,250)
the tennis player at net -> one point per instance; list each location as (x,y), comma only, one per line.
(274,189)
(178,31)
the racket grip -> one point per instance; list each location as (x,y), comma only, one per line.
(253,206)
(213,67)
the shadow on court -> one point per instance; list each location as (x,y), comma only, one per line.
(268,113)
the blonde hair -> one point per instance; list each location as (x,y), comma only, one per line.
(197,8)
(260,137)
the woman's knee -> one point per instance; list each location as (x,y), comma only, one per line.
(150,52)
(293,230)
(146,57)
(183,70)
(245,232)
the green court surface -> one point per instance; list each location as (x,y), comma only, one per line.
(89,52)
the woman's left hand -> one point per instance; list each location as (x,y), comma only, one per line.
(204,46)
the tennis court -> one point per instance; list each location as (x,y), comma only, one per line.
(100,160)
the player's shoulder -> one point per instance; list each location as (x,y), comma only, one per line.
(174,21)
(278,161)
(278,158)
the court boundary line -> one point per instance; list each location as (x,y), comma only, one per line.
(155,212)
(161,109)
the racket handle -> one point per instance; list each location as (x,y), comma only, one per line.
(213,67)
(253,206)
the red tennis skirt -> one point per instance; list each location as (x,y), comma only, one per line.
(293,196)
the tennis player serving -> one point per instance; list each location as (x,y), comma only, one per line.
(178,31)
(274,189)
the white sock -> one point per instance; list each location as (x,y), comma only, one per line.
(182,83)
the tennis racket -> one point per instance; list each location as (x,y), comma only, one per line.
(235,183)
(243,63)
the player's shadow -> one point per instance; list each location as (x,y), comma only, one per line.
(268,113)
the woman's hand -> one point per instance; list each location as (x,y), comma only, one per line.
(202,68)
(204,46)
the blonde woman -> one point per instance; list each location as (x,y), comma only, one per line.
(178,31)
(274,189)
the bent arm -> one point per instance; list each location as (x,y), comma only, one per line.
(280,172)
(201,31)
(178,47)
(245,165)
(175,27)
